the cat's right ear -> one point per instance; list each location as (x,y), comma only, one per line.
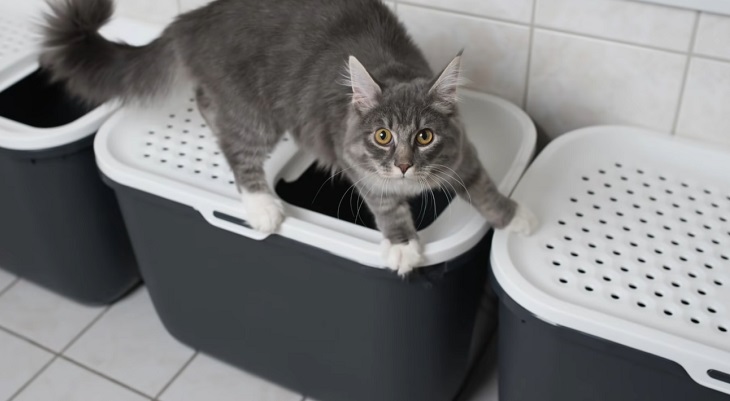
(365,91)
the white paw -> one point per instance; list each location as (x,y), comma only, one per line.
(401,258)
(524,222)
(265,212)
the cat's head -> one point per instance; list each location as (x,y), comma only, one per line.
(405,134)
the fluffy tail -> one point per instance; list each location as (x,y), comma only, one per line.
(96,69)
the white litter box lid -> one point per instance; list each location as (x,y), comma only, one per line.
(633,247)
(19,50)
(169,152)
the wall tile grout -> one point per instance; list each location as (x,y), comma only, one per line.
(609,40)
(11,285)
(685,74)
(530,44)
(176,375)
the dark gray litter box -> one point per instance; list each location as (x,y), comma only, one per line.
(60,225)
(623,294)
(310,307)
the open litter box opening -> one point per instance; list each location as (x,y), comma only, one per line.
(37,102)
(339,200)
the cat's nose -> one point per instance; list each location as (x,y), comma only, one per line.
(404,167)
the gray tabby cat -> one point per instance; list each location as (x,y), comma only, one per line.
(265,67)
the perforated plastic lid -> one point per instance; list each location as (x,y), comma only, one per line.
(634,244)
(19,38)
(171,153)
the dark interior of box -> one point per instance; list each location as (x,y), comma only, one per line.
(37,102)
(337,199)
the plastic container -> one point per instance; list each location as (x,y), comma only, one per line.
(623,293)
(311,308)
(61,226)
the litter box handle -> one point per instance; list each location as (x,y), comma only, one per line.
(233,224)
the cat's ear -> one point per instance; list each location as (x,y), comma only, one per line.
(443,91)
(365,91)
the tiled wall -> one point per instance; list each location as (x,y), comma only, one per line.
(572,63)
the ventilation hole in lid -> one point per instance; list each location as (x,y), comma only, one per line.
(197,171)
(685,185)
(574,254)
(716,242)
(669,191)
(682,258)
(564,281)
(660,213)
(215,177)
(640,171)
(634,244)
(187,120)
(172,116)
(699,250)
(691,235)
(584,178)
(596,207)
(675,284)
(682,219)
(203,125)
(181,154)
(602,221)
(625,269)
(556,263)
(151,132)
(579,214)
(668,312)
(592,245)
(163,161)
(651,198)
(650,235)
(619,214)
(676,206)
(567,238)
(667,228)
(167,137)
(617,253)
(169,126)
(715,205)
(599,261)
(641,304)
(573,200)
(186,131)
(722,329)
(641,260)
(624,178)
(548,246)
(675,243)
(718,283)
(607,279)
(633,286)
(197,159)
(561,222)
(706,227)
(613,199)
(146,155)
(684,302)
(585,230)
(699,212)
(707,191)
(190,110)
(643,221)
(165,149)
(200,148)
(607,185)
(614,296)
(630,192)
(702,292)
(589,288)
(711,309)
(694,320)
(581,271)
(618,165)
(636,206)
(590,192)
(231,182)
(691,274)
(658,294)
(602,171)
(724,257)
(667,268)
(650,277)
(722,219)
(646,185)
(609,237)
(692,198)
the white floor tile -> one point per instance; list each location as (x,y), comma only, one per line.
(19,361)
(42,316)
(130,345)
(5,279)
(64,381)
(208,379)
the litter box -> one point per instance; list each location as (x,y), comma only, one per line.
(61,226)
(623,294)
(311,307)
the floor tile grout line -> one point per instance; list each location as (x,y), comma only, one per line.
(28,340)
(176,375)
(104,376)
(11,285)
(530,44)
(685,74)
(464,13)
(33,378)
(84,330)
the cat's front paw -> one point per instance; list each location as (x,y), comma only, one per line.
(402,258)
(523,222)
(265,212)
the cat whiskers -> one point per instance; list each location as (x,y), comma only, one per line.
(439,168)
(339,205)
(332,178)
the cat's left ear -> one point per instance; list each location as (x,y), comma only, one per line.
(443,91)
(365,91)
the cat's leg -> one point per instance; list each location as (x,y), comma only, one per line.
(401,250)
(474,184)
(245,148)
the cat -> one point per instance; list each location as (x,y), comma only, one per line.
(343,76)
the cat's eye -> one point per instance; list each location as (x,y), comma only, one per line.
(383,136)
(424,137)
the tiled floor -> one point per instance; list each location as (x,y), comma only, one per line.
(52,349)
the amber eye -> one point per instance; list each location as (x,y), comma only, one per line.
(424,137)
(383,136)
